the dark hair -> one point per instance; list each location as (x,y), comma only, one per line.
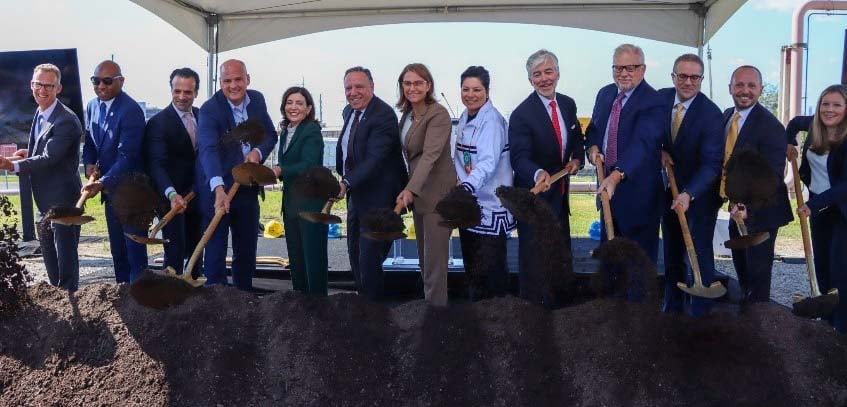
(185,73)
(689,58)
(478,72)
(310,117)
(365,71)
(403,104)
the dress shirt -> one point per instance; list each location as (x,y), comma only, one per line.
(820,175)
(346,134)
(564,129)
(743,117)
(685,106)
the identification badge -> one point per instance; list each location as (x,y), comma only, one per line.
(466,159)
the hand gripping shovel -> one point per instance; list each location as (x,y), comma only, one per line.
(151,239)
(74,215)
(716,289)
(816,305)
(745,239)
(384,224)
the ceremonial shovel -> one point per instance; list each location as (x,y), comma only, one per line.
(162,222)
(324,216)
(745,240)
(74,215)
(384,224)
(716,289)
(816,305)
(524,205)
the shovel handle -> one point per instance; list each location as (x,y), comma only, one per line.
(604,200)
(399,208)
(85,195)
(210,230)
(739,223)
(328,206)
(804,231)
(686,233)
(170,215)
(537,189)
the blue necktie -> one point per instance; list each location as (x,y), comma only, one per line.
(101,120)
(39,123)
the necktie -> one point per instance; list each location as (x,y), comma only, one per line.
(348,163)
(731,138)
(101,120)
(612,140)
(39,123)
(677,121)
(554,116)
(190,127)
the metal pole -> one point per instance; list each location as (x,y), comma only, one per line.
(212,23)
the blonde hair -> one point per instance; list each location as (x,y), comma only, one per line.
(821,141)
(49,68)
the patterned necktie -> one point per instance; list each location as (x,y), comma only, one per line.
(554,116)
(39,124)
(612,140)
(101,120)
(190,127)
(348,163)
(731,138)
(677,121)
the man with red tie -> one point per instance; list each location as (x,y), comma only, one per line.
(545,137)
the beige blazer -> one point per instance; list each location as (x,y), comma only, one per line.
(427,151)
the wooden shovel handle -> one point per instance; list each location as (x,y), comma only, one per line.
(170,215)
(85,195)
(399,208)
(686,233)
(804,231)
(210,230)
(538,188)
(328,206)
(604,200)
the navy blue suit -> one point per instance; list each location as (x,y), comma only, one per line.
(763,133)
(638,201)
(116,150)
(171,158)
(534,146)
(217,156)
(52,164)
(697,153)
(377,175)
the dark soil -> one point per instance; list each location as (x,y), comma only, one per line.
(224,347)
(135,201)
(460,208)
(317,183)
(750,179)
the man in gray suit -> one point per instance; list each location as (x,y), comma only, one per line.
(51,161)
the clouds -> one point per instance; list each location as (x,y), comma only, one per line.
(778,5)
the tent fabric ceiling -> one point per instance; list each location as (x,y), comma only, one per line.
(250,22)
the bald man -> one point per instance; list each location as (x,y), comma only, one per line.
(114,131)
(228,107)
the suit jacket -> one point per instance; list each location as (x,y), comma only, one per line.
(217,154)
(637,199)
(168,151)
(697,151)
(116,148)
(378,174)
(53,160)
(305,150)
(427,150)
(836,169)
(533,145)
(763,133)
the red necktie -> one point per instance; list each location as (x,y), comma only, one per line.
(554,116)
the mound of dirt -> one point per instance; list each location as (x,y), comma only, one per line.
(226,347)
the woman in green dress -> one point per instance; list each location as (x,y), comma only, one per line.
(301,147)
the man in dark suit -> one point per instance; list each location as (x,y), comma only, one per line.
(693,147)
(370,162)
(750,126)
(170,147)
(114,131)
(626,131)
(51,160)
(544,138)
(228,107)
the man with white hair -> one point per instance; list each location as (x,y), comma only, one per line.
(545,137)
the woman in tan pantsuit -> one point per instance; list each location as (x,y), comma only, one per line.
(425,130)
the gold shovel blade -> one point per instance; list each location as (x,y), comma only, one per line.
(320,217)
(145,240)
(743,242)
(253,174)
(73,220)
(715,290)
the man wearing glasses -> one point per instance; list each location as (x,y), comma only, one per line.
(625,132)
(114,130)
(51,162)
(693,147)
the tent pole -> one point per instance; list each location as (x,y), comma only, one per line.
(212,22)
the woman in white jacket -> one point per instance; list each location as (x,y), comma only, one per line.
(482,165)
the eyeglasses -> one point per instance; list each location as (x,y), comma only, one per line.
(38,86)
(628,68)
(683,77)
(417,84)
(108,81)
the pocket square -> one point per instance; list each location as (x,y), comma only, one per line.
(573,126)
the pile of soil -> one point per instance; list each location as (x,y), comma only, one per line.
(226,347)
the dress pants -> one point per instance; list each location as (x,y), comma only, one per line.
(838,272)
(646,235)
(183,232)
(307,250)
(366,256)
(822,226)
(754,266)
(241,220)
(59,245)
(486,272)
(129,257)
(433,253)
(701,222)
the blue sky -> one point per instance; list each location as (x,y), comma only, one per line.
(148,49)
